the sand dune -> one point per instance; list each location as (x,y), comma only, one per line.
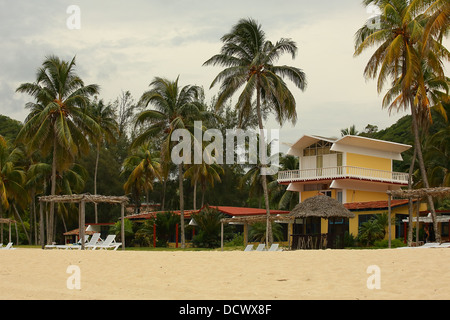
(235,275)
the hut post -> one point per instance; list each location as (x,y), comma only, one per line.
(418,222)
(122,226)
(389,219)
(41,225)
(221,235)
(82,222)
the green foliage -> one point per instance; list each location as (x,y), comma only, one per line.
(165,227)
(208,221)
(117,229)
(395,243)
(257,232)
(9,128)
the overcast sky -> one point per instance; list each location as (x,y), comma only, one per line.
(123,45)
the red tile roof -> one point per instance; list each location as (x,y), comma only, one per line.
(240,211)
(374,205)
(231,211)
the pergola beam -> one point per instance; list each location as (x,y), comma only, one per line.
(81,199)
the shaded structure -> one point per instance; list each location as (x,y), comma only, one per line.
(418,195)
(9,222)
(323,207)
(320,206)
(81,200)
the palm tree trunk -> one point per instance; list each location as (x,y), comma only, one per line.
(269,235)
(21,222)
(52,192)
(423,171)
(164,194)
(95,181)
(180,179)
(195,194)
(411,204)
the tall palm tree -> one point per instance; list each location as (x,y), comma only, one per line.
(249,60)
(143,167)
(174,107)
(58,122)
(105,118)
(400,56)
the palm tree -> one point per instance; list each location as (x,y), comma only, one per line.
(105,118)
(400,56)
(12,180)
(143,167)
(248,58)
(286,200)
(58,122)
(175,108)
(349,131)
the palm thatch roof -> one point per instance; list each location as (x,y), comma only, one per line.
(321,206)
(76,198)
(440,192)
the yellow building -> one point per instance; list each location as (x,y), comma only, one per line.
(354,170)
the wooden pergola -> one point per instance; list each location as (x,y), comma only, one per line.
(9,222)
(81,200)
(418,194)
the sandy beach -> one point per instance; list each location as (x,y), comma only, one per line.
(290,275)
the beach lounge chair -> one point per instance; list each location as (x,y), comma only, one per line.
(261,247)
(77,245)
(274,247)
(109,243)
(248,248)
(8,247)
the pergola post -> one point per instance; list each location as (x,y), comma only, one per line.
(82,223)
(41,224)
(221,235)
(122,227)
(418,222)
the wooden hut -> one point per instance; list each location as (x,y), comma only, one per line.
(323,207)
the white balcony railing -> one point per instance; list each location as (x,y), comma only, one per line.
(347,172)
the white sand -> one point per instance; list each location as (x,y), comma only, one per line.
(296,275)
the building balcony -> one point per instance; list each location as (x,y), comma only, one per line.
(343,172)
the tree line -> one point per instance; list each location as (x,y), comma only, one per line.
(72,141)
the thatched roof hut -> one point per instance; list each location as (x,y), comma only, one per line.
(322,207)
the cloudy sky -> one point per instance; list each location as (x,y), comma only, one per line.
(123,45)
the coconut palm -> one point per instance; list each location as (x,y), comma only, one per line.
(105,118)
(143,167)
(174,107)
(58,122)
(249,60)
(400,56)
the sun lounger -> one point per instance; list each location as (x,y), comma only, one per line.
(274,247)
(8,247)
(249,248)
(261,247)
(109,243)
(76,246)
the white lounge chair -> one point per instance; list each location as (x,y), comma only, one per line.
(261,247)
(76,246)
(249,248)
(274,247)
(8,247)
(109,243)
